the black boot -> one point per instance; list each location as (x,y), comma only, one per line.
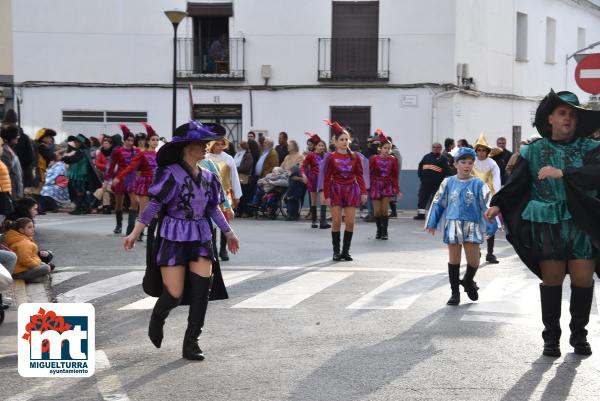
(335,241)
(454,277)
(164,304)
(131,216)
(200,292)
(223,255)
(581,303)
(490,251)
(394,208)
(551,297)
(469,285)
(378,224)
(346,247)
(313,216)
(384,227)
(119,227)
(323,223)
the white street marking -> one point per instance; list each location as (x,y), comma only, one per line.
(398,293)
(101,288)
(59,277)
(109,384)
(294,291)
(230,277)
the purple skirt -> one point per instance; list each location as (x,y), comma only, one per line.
(345,195)
(180,253)
(381,189)
(124,186)
(141,185)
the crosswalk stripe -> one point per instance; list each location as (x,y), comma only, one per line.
(101,288)
(508,294)
(397,293)
(230,277)
(293,292)
(58,278)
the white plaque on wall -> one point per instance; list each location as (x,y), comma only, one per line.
(409,100)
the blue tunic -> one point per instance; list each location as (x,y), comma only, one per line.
(461,203)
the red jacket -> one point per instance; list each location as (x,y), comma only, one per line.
(144,161)
(310,164)
(102,162)
(345,170)
(383,169)
(120,158)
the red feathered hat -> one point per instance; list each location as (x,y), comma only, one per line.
(381,136)
(126,132)
(314,138)
(149,130)
(337,128)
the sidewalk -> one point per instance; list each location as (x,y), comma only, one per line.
(20,293)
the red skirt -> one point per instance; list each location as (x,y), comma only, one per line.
(381,189)
(312,183)
(124,186)
(345,195)
(141,185)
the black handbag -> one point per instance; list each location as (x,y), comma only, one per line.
(6,204)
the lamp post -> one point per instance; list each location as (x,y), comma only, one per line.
(175,16)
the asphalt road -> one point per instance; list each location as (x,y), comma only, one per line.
(298,326)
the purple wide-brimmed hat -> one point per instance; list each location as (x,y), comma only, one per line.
(193,131)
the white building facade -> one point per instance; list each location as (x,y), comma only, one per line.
(419,70)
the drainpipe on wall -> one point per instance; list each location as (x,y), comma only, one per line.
(434,98)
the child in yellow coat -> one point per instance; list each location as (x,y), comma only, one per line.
(19,238)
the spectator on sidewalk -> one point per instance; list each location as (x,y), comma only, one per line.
(432,170)
(10,136)
(5,187)
(29,266)
(244,162)
(44,148)
(282,147)
(55,192)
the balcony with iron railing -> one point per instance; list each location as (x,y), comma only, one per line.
(198,63)
(354,59)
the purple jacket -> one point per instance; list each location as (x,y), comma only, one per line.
(189,203)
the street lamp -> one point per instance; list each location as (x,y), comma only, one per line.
(175,16)
(577,56)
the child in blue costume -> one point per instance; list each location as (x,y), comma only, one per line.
(187,198)
(461,201)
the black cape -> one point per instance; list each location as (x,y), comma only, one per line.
(585,209)
(152,282)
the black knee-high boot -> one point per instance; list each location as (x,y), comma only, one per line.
(551,297)
(119,227)
(313,216)
(200,292)
(223,255)
(335,241)
(323,222)
(131,216)
(454,277)
(346,247)
(164,304)
(469,285)
(378,223)
(394,208)
(490,250)
(384,227)
(581,303)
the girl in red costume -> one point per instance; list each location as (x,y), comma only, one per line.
(143,166)
(343,188)
(310,176)
(120,160)
(383,170)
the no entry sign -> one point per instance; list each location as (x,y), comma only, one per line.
(587,73)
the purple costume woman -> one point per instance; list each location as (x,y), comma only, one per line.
(185,201)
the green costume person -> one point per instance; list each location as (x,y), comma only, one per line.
(551,210)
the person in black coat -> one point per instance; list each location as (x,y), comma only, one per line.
(433,168)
